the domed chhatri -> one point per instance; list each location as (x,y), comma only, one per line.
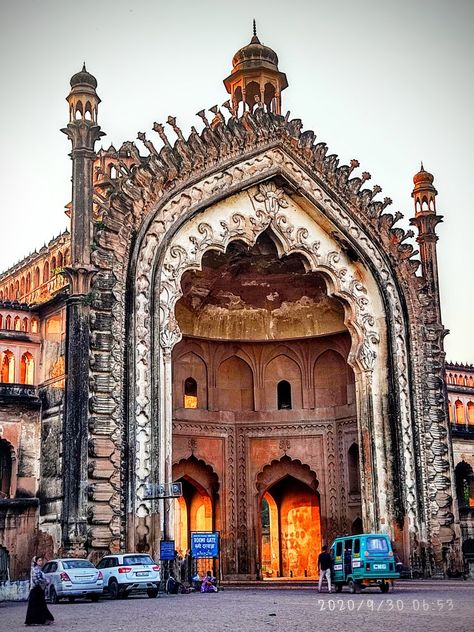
(423,177)
(255,80)
(82,98)
(255,55)
(83,78)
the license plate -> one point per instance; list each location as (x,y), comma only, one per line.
(379,567)
(356,564)
(142,573)
(85,580)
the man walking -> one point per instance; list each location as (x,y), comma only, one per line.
(324,566)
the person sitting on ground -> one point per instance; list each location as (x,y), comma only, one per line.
(208,583)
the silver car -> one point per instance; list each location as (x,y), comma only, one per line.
(71,578)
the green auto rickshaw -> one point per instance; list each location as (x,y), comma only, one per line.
(363,561)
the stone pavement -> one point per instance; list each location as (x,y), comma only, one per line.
(414,606)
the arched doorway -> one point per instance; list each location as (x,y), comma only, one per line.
(290,520)
(197,509)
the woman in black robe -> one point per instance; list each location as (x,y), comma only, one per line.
(38,612)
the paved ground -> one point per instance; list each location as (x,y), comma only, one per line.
(414,606)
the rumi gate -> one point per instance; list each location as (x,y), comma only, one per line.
(237,311)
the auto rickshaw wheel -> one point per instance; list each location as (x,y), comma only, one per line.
(385,587)
(338,588)
(354,587)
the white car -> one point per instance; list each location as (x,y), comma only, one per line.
(127,572)
(71,578)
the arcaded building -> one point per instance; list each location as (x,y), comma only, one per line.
(237,311)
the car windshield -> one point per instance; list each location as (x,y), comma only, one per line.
(77,564)
(137,560)
(377,545)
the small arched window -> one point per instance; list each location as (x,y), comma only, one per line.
(459,406)
(36,277)
(27,369)
(1,321)
(284,395)
(8,322)
(34,325)
(7,367)
(24,325)
(46,272)
(470,412)
(28,283)
(464,478)
(353,469)
(5,468)
(17,323)
(190,393)
(450,411)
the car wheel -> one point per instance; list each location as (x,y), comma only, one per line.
(95,598)
(53,595)
(113,589)
(338,588)
(354,587)
(152,592)
(384,587)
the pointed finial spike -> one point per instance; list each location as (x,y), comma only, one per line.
(422,168)
(84,69)
(254,28)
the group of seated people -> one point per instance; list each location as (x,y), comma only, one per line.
(206,584)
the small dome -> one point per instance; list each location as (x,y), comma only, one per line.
(423,177)
(255,55)
(83,78)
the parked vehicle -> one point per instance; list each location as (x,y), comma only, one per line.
(363,561)
(129,572)
(71,578)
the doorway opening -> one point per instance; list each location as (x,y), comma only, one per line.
(291,530)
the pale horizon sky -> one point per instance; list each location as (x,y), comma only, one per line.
(389,83)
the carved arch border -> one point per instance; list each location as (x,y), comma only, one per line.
(170,216)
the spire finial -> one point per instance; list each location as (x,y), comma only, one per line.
(422,168)
(84,69)
(255,39)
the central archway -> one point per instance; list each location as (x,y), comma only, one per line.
(290,520)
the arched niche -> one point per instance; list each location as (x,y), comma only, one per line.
(234,385)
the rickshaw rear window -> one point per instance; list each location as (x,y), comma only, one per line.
(377,545)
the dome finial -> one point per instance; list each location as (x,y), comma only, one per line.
(422,168)
(84,69)
(255,39)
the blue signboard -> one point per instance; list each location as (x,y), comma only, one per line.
(204,544)
(167,549)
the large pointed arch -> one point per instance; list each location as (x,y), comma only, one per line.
(158,195)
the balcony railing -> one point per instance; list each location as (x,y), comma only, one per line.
(462,430)
(46,290)
(27,391)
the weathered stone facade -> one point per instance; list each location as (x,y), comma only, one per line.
(243,315)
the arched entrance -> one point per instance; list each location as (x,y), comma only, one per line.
(290,520)
(197,508)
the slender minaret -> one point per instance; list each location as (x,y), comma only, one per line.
(424,197)
(83,132)
(441,509)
